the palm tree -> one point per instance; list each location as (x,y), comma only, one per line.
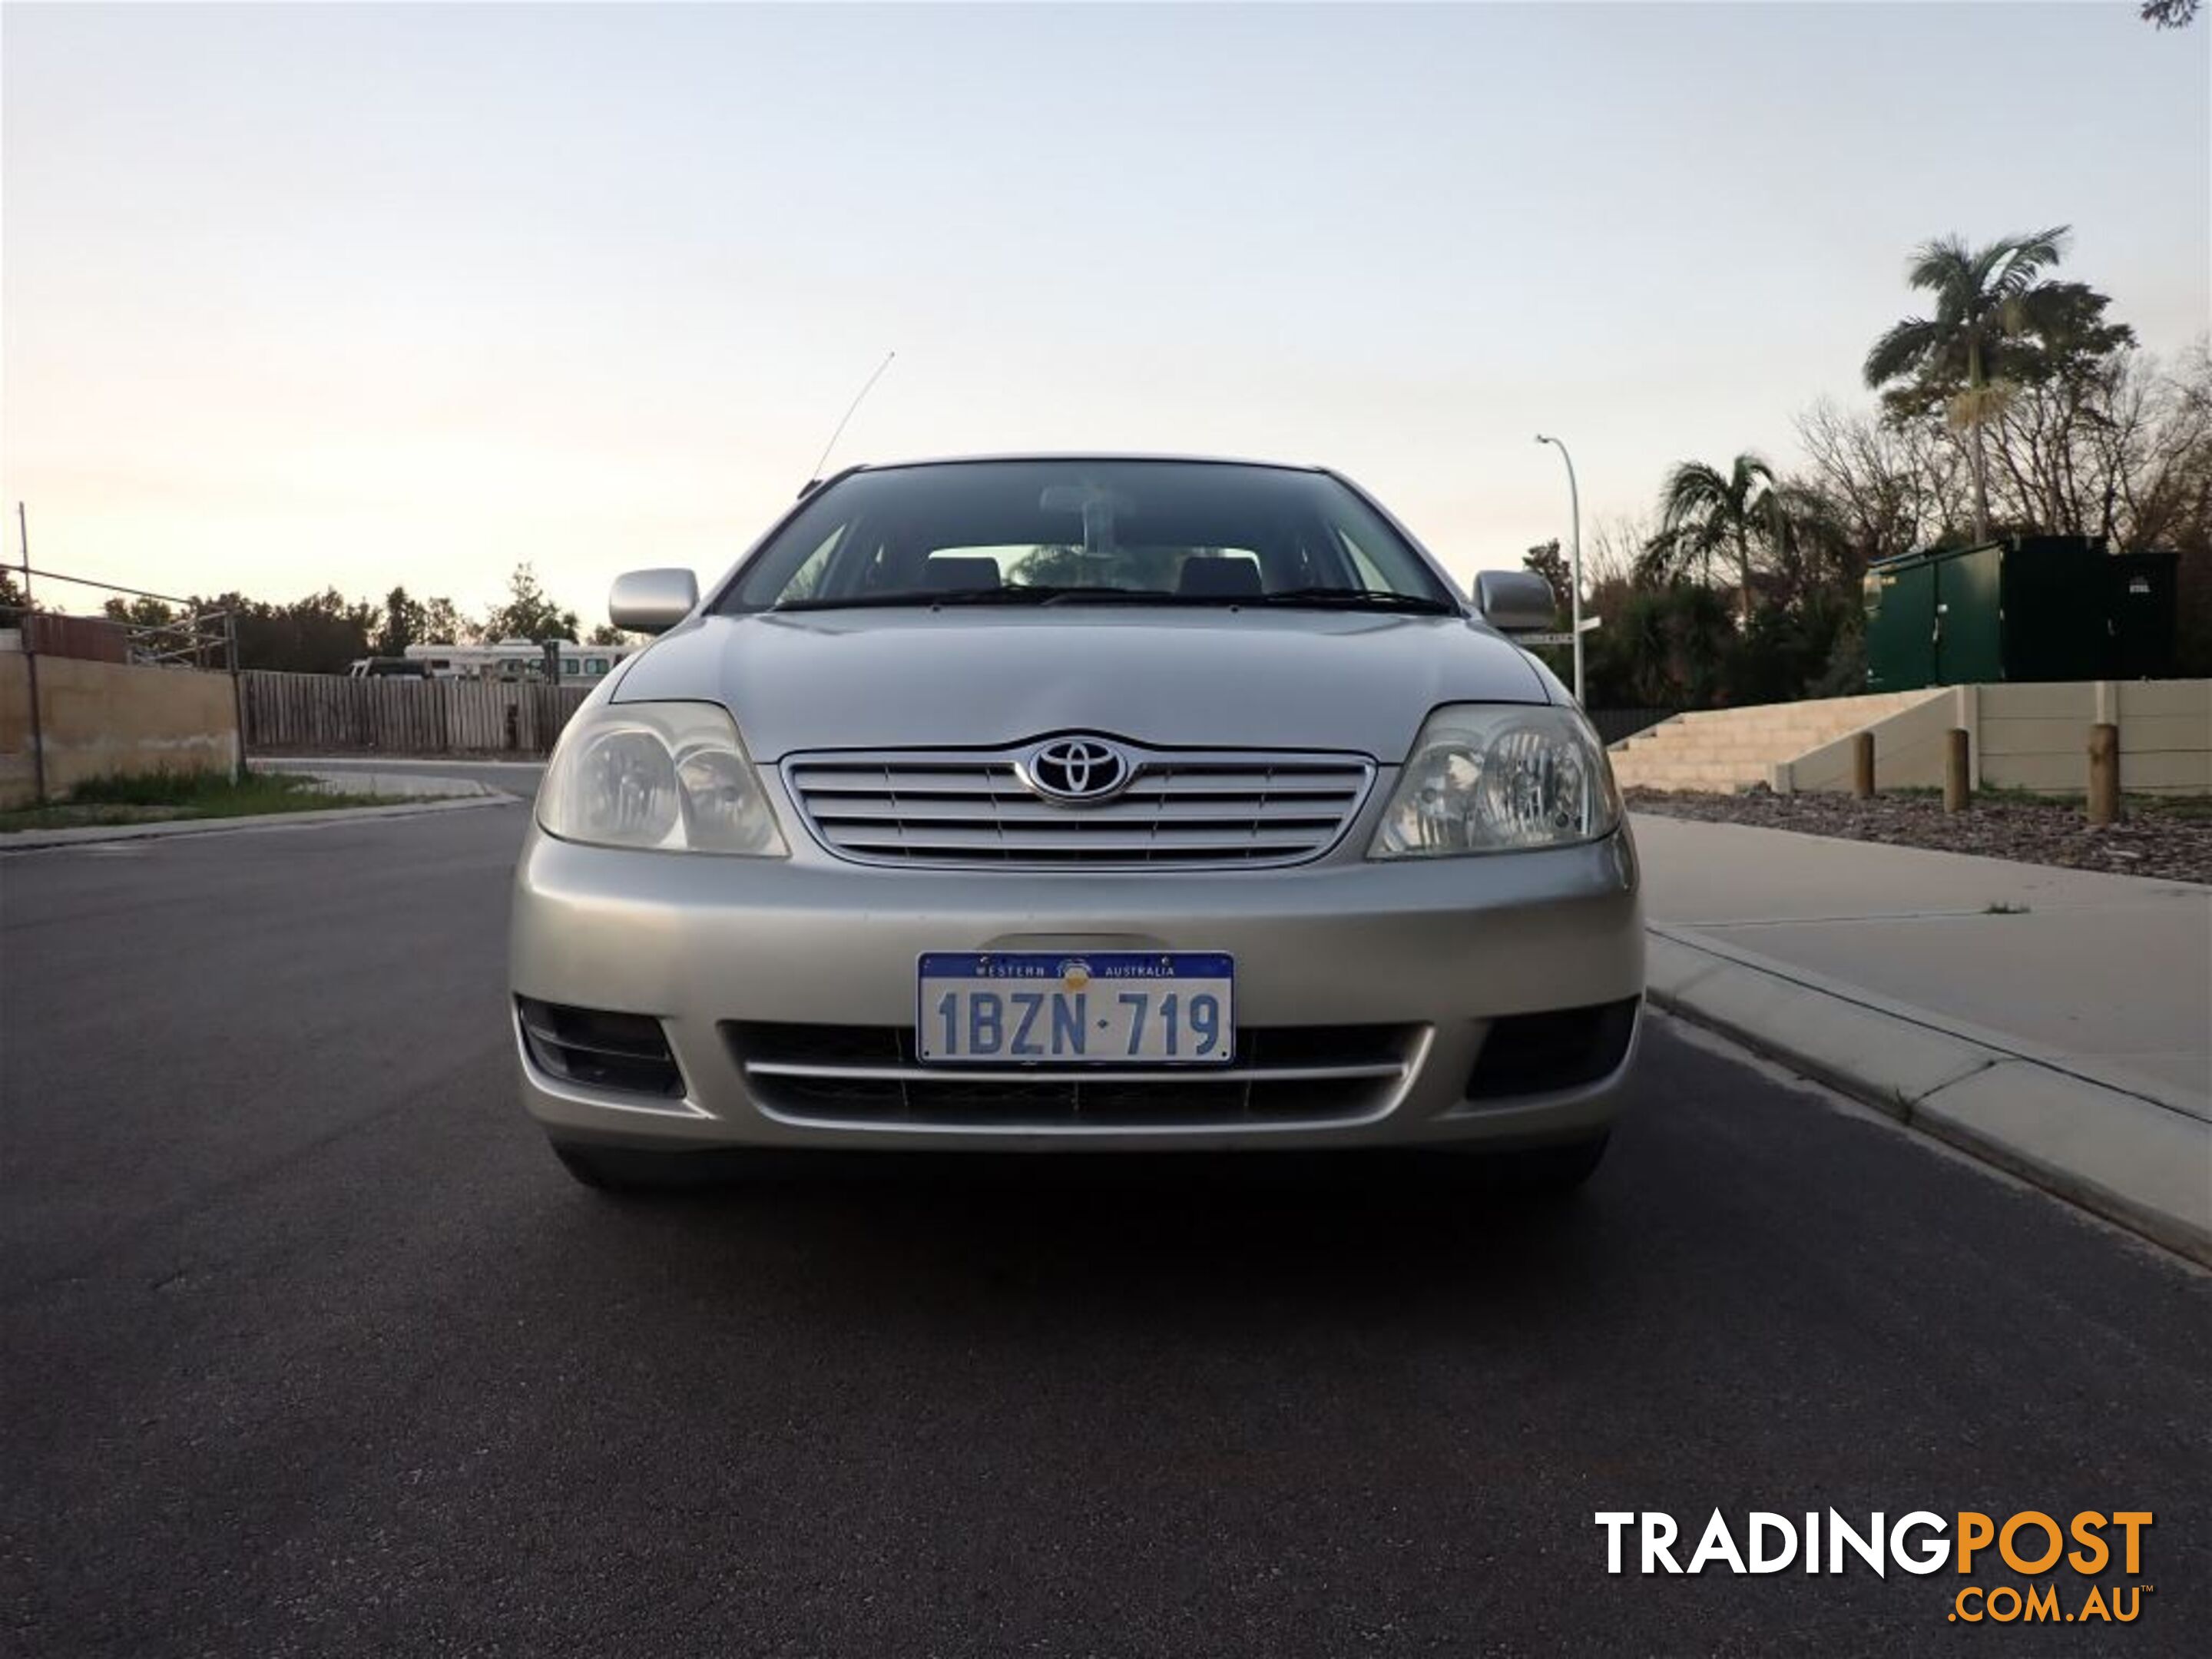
(1703,510)
(1988,300)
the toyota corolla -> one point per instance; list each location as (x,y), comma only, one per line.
(1077,803)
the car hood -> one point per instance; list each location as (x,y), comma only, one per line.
(969,678)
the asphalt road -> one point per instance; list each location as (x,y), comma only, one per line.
(310,1348)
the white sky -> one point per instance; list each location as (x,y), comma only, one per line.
(316,296)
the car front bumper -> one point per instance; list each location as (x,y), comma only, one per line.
(1441,952)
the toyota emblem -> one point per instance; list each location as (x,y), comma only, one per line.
(1077,771)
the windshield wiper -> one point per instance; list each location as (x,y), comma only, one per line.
(1113,596)
(1370,598)
(1016,593)
(1350,598)
(905,596)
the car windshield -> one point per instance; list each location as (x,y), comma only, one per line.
(1087,532)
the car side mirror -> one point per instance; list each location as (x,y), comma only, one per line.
(1514,601)
(652,601)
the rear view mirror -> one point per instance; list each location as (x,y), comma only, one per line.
(1514,601)
(652,601)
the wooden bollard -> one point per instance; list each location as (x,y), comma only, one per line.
(1958,775)
(2103,774)
(1863,766)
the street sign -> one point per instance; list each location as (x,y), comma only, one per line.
(1588,623)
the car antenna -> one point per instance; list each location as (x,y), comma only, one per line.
(866,386)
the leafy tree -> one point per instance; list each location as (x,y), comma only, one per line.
(142,612)
(2170,14)
(442,623)
(11,598)
(410,620)
(1809,553)
(1703,511)
(1788,646)
(405,624)
(528,614)
(160,631)
(321,634)
(1996,325)
(1665,647)
(1547,561)
(1846,674)
(608,634)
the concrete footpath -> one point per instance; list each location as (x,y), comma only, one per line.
(2055,1022)
(399,785)
(505,777)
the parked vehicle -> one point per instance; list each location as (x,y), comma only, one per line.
(378,668)
(1068,804)
(519,660)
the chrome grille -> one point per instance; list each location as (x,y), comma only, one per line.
(1180,808)
(838,1074)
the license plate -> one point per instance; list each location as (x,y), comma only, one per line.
(1076,1008)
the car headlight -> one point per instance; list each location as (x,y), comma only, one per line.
(670,775)
(1487,778)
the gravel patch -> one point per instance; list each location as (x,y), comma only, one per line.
(2171,839)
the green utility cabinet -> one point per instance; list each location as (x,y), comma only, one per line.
(1901,624)
(2026,608)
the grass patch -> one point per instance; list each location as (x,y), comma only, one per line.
(159,797)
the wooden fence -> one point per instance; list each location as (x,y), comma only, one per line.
(332,714)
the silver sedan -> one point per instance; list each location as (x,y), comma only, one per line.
(1065,803)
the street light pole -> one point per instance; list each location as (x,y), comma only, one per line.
(1575,578)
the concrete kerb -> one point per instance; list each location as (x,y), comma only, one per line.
(401,785)
(2143,1158)
(28,840)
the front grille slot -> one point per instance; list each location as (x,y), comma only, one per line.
(1180,809)
(869,1074)
(601,1050)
